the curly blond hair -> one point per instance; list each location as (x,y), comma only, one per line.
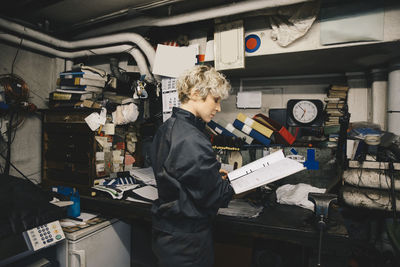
(204,79)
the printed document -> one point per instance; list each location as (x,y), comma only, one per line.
(263,171)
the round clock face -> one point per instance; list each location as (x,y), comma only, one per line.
(305,111)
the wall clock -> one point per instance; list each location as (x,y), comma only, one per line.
(305,112)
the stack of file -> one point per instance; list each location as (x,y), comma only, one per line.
(75,86)
(281,134)
(78,81)
(228,126)
(64,100)
(267,132)
(335,101)
(223,139)
(256,130)
(219,129)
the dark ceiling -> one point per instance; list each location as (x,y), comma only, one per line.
(66,19)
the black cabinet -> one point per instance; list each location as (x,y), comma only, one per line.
(68,149)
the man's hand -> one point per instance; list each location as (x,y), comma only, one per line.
(224,173)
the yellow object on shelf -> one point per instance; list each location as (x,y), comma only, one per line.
(255,125)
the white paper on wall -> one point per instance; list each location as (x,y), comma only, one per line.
(249,99)
(172,61)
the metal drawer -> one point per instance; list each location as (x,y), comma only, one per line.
(77,128)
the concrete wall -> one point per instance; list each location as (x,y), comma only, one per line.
(40,73)
(271,98)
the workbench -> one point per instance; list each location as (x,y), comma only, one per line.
(276,223)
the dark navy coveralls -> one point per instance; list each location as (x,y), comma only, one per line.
(190,191)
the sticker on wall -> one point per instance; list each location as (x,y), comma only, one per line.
(252,43)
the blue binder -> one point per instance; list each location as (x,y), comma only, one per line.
(219,129)
(253,133)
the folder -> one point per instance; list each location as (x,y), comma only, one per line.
(253,133)
(255,125)
(248,139)
(219,129)
(282,135)
(228,126)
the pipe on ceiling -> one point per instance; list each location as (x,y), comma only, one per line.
(210,13)
(137,39)
(142,64)
(134,52)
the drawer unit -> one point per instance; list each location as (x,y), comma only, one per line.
(68,149)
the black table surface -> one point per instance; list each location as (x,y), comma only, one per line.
(278,222)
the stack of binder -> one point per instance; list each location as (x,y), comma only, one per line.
(65,100)
(78,81)
(253,128)
(281,134)
(219,129)
(75,86)
(223,139)
(229,127)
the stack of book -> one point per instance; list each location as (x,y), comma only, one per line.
(337,96)
(65,100)
(81,81)
(117,99)
(73,87)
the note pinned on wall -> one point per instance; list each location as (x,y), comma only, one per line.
(172,61)
(249,99)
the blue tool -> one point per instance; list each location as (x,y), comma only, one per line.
(311,163)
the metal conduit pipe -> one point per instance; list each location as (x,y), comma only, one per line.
(211,13)
(134,52)
(137,39)
(146,47)
(142,64)
(116,72)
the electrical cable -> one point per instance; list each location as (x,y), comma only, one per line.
(23,175)
(15,57)
(359,173)
(8,159)
(393,192)
(15,88)
(33,92)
